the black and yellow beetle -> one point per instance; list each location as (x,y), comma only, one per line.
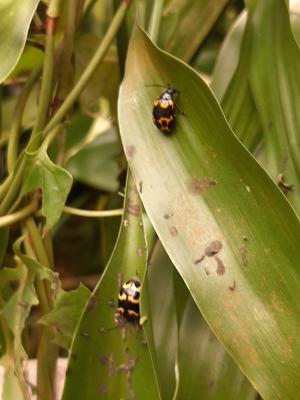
(164,109)
(129,300)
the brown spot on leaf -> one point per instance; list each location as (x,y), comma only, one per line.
(130,151)
(198,186)
(243,255)
(92,302)
(126,223)
(198,261)
(220,266)
(139,251)
(213,248)
(103,360)
(232,286)
(103,388)
(168,215)
(133,209)
(173,231)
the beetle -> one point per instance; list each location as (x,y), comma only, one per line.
(129,300)
(164,109)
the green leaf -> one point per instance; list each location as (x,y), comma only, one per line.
(95,165)
(204,365)
(189,22)
(164,321)
(110,359)
(238,103)
(226,226)
(15,16)
(54,181)
(272,78)
(64,317)
(228,57)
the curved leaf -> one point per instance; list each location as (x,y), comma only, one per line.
(204,365)
(42,173)
(273,74)
(108,359)
(182,41)
(15,17)
(229,230)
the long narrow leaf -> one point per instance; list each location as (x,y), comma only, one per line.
(226,226)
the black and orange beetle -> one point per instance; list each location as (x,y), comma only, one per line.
(164,110)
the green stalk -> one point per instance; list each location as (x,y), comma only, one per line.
(18,215)
(92,213)
(47,78)
(13,143)
(47,350)
(12,190)
(154,24)
(91,67)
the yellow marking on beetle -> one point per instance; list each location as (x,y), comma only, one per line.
(171,104)
(133,313)
(164,104)
(156,102)
(122,297)
(133,301)
(120,310)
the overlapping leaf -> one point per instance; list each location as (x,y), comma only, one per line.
(226,226)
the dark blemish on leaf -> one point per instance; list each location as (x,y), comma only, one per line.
(103,360)
(232,286)
(243,255)
(211,384)
(213,248)
(103,388)
(68,372)
(168,215)
(85,335)
(245,238)
(206,270)
(74,357)
(270,125)
(285,188)
(140,186)
(139,251)
(130,151)
(92,302)
(126,223)
(198,261)
(173,231)
(198,186)
(220,266)
(133,209)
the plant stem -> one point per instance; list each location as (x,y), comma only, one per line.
(12,190)
(13,143)
(18,215)
(47,350)
(47,78)
(92,213)
(91,67)
(37,241)
(154,24)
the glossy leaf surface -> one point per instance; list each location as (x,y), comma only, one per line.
(231,233)
(15,16)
